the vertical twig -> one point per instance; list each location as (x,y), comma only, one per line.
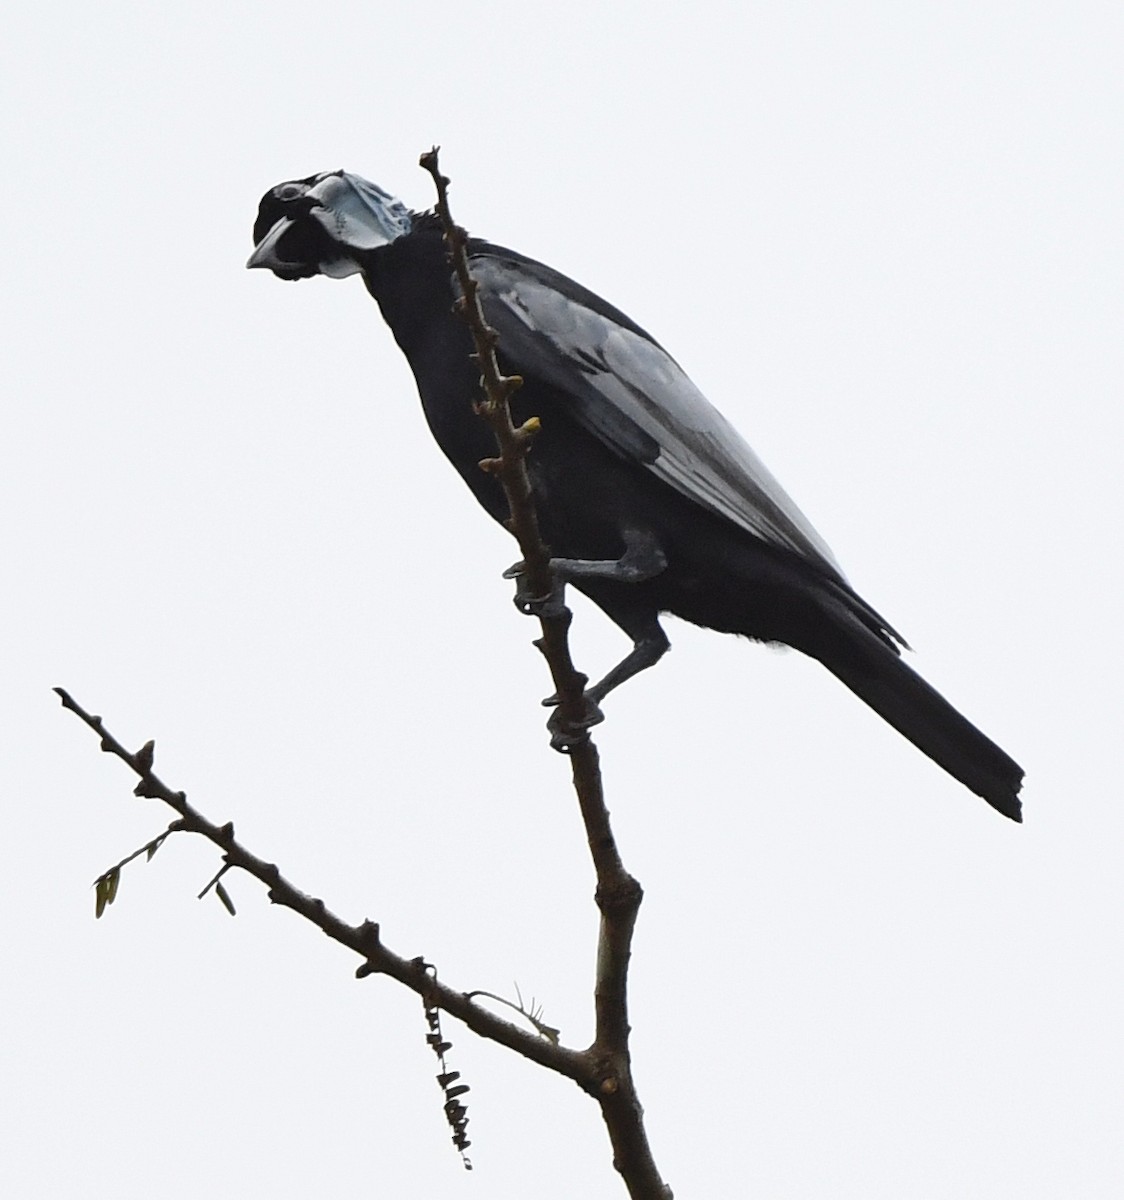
(618,894)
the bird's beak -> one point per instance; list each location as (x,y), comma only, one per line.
(265,252)
(338,220)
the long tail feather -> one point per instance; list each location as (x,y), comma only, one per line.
(875,673)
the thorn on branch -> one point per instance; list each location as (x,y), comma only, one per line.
(368,943)
(147,789)
(145,757)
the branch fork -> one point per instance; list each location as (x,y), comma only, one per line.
(604,1069)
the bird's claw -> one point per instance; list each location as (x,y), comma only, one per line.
(541,606)
(566,734)
(550,605)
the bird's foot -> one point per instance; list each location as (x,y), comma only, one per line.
(553,604)
(567,733)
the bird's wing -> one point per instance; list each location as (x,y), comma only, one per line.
(635,397)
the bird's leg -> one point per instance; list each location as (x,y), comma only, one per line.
(647,650)
(643,558)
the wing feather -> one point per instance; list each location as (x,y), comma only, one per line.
(635,397)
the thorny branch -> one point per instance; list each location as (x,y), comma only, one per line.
(604,1068)
(364,939)
(510,469)
(618,893)
(601,1070)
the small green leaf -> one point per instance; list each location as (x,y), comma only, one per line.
(100,893)
(111,885)
(224,896)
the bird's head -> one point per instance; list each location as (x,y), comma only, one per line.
(323,224)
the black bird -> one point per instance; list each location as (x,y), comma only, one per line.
(648,497)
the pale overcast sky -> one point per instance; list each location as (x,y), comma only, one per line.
(885,239)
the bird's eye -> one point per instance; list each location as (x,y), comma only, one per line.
(290,191)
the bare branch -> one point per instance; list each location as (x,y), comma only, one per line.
(604,1069)
(363,939)
(618,894)
(510,468)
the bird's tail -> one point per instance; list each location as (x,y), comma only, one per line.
(872,669)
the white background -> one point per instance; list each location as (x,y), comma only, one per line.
(885,239)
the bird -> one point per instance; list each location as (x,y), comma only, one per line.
(649,499)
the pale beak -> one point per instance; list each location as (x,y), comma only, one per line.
(264,254)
